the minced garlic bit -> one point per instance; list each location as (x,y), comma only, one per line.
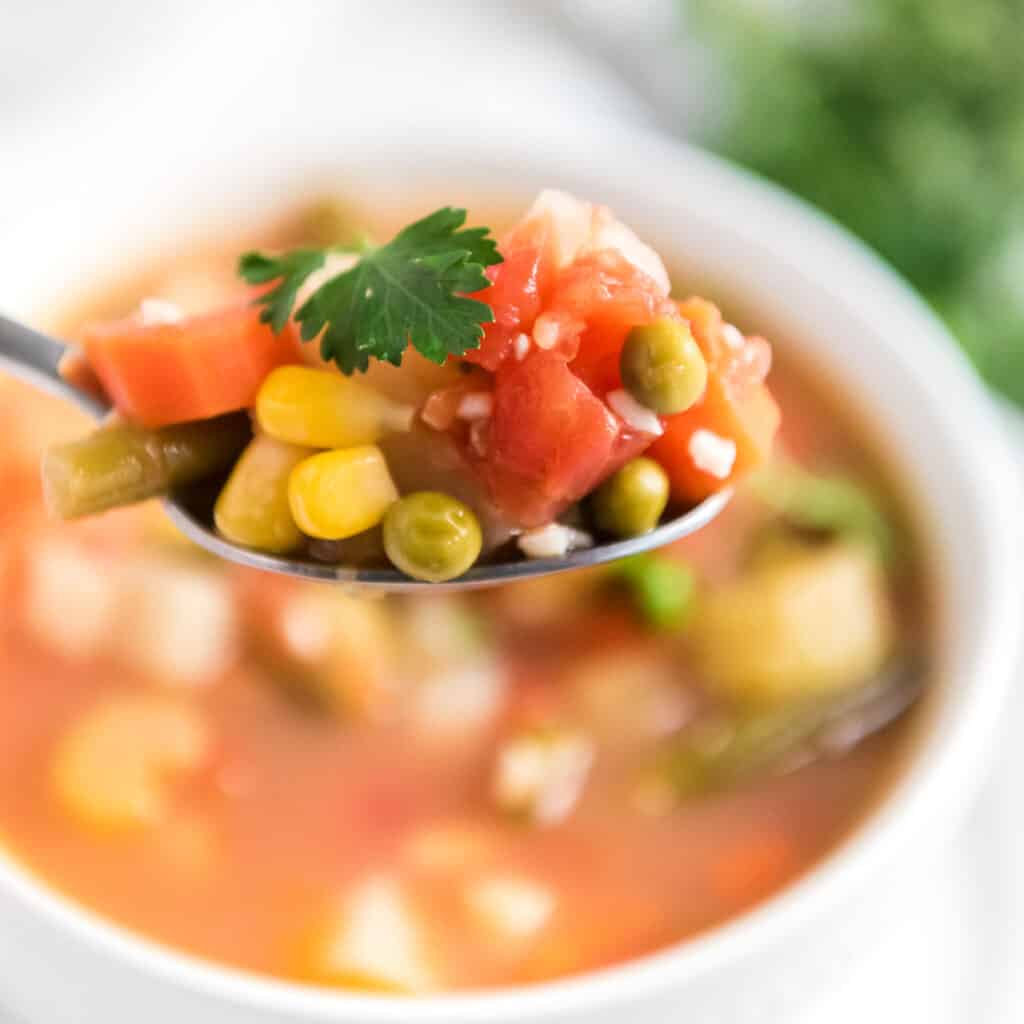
(159,311)
(638,416)
(733,336)
(476,405)
(511,907)
(553,541)
(712,454)
(545,331)
(521,346)
(540,775)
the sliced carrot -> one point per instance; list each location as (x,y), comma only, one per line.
(203,366)
(736,407)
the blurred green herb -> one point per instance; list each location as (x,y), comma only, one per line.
(904,119)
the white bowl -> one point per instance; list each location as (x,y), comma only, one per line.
(829,301)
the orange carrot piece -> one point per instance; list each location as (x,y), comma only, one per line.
(198,368)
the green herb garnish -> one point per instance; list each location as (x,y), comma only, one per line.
(410,291)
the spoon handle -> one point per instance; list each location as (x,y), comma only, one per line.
(34,358)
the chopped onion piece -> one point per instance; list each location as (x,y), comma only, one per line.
(553,541)
(476,405)
(638,416)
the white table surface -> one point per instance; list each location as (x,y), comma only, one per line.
(177,83)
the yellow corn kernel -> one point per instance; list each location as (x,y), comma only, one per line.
(253,508)
(112,769)
(321,409)
(339,494)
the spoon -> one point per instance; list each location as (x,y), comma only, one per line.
(35,358)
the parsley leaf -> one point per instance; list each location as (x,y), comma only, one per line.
(411,290)
(291,270)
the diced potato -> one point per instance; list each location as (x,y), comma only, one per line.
(178,624)
(458,701)
(339,647)
(376,942)
(413,381)
(629,696)
(112,770)
(71,600)
(509,907)
(440,629)
(536,602)
(813,624)
(540,774)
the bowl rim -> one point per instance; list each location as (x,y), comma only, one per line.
(942,772)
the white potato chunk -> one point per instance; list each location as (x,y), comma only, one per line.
(114,767)
(540,774)
(71,600)
(629,696)
(179,624)
(376,942)
(509,907)
(815,622)
(459,700)
(343,649)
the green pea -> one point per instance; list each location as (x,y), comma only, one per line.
(631,501)
(431,536)
(662,366)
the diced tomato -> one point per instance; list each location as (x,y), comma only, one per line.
(604,290)
(197,368)
(551,440)
(736,407)
(518,290)
(611,296)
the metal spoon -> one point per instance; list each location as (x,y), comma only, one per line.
(34,357)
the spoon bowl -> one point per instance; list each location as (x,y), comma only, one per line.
(35,358)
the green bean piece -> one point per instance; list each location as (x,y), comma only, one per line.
(662,366)
(631,501)
(722,752)
(827,504)
(431,536)
(122,463)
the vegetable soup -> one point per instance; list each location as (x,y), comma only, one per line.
(433,792)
